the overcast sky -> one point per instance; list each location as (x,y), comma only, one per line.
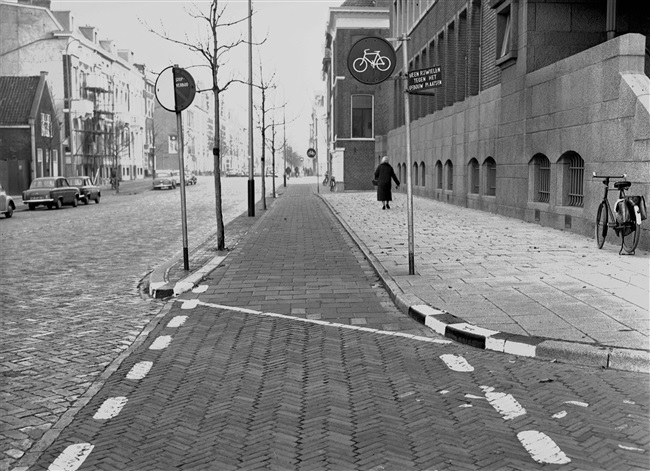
(294,32)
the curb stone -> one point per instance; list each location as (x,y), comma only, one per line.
(457,329)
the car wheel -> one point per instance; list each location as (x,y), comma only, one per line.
(86,200)
(31,206)
(10,211)
(97,199)
(75,202)
(58,204)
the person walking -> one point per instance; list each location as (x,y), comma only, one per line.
(383,176)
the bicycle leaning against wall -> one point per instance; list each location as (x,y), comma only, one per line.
(626,218)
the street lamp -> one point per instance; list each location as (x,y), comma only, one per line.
(251,181)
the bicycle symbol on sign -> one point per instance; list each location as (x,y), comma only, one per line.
(374,59)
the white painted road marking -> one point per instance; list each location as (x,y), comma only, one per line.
(560,415)
(456,363)
(505,404)
(542,448)
(190,304)
(177,321)
(631,448)
(161,342)
(577,403)
(200,289)
(72,457)
(139,370)
(110,408)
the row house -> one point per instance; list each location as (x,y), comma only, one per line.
(536,97)
(104,100)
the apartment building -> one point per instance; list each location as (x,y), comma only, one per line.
(98,90)
(536,96)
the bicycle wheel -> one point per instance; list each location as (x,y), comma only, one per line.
(383,64)
(630,237)
(360,64)
(601,225)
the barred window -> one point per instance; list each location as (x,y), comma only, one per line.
(450,175)
(474,174)
(439,175)
(362,116)
(542,178)
(576,173)
(46,125)
(490,176)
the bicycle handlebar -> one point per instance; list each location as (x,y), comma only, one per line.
(609,176)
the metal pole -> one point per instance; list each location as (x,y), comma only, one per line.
(284,142)
(409,183)
(181,166)
(251,181)
(316,149)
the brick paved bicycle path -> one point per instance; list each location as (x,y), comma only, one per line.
(520,287)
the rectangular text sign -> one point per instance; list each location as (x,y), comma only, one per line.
(424,79)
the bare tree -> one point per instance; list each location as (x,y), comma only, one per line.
(263,127)
(213,54)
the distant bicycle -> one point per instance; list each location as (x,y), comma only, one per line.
(374,59)
(626,218)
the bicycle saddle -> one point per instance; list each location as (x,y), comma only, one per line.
(622,185)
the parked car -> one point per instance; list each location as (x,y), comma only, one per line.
(164,180)
(271,172)
(52,192)
(231,172)
(190,178)
(7,204)
(87,191)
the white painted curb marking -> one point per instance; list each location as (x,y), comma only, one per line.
(456,363)
(542,448)
(505,404)
(177,321)
(200,289)
(110,408)
(161,342)
(72,457)
(139,370)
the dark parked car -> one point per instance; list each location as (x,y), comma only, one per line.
(164,180)
(87,191)
(7,204)
(190,178)
(52,192)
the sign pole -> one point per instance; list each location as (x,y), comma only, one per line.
(181,166)
(409,182)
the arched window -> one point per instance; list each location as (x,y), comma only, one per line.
(422,174)
(541,178)
(415,174)
(572,178)
(450,175)
(490,167)
(439,175)
(473,174)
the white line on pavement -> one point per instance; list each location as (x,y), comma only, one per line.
(456,363)
(505,404)
(110,408)
(321,322)
(72,457)
(139,370)
(200,289)
(190,304)
(177,322)
(542,448)
(577,403)
(161,342)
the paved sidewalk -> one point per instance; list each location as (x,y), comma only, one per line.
(489,281)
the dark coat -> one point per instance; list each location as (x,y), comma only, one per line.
(383,175)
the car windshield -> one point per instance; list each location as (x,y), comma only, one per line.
(76,181)
(45,183)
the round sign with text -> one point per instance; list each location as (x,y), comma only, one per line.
(371,60)
(175,89)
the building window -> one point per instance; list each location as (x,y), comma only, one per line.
(473,170)
(506,30)
(490,176)
(439,175)
(572,179)
(415,174)
(172,145)
(450,175)
(362,116)
(422,174)
(46,125)
(542,178)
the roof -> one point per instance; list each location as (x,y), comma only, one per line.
(358,3)
(17,98)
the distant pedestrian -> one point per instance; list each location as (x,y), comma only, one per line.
(383,175)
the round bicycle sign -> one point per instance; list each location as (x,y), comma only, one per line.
(371,60)
(311,152)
